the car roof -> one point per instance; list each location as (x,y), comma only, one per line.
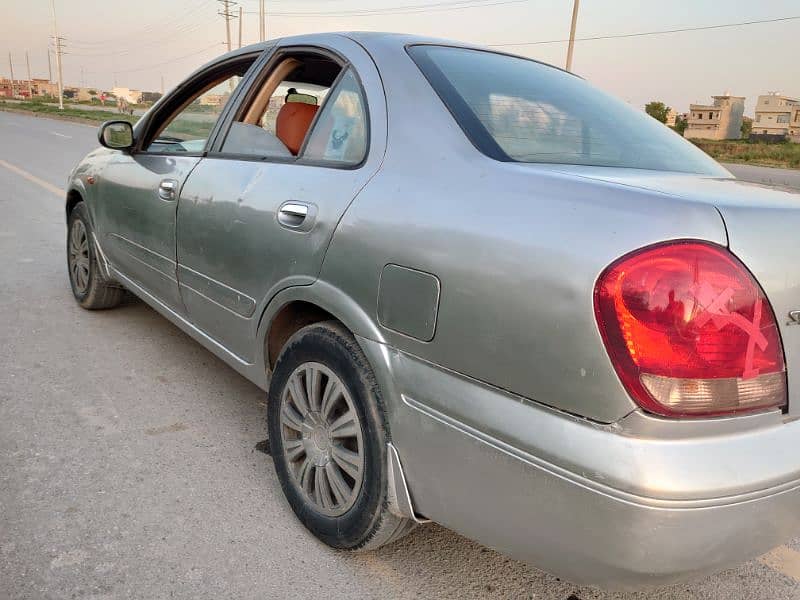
(370,40)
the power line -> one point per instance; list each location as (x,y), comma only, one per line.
(646,33)
(157,28)
(397,10)
(135,49)
(166,62)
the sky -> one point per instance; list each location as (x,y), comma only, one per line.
(134,43)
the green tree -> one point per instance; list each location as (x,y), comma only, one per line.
(747,127)
(657,110)
(680,125)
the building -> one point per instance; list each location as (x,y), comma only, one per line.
(777,118)
(213,99)
(671,117)
(43,87)
(721,120)
(85,94)
(132,96)
(6,88)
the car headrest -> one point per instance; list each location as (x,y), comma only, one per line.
(291,126)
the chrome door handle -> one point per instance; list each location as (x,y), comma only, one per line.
(293,215)
(294,210)
(168,189)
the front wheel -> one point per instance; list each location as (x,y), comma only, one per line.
(328,439)
(89,287)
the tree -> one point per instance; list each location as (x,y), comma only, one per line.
(747,127)
(680,125)
(657,110)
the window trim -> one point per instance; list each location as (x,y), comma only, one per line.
(171,105)
(462,114)
(280,54)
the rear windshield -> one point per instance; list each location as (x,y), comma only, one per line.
(514,109)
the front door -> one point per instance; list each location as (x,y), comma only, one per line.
(138,195)
(258,213)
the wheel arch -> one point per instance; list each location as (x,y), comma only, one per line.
(76,193)
(298,306)
(73,198)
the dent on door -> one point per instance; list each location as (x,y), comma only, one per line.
(137,211)
(248,229)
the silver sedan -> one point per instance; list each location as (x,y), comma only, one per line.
(477,291)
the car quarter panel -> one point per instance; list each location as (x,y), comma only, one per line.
(517,250)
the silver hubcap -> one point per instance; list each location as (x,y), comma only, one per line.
(79,256)
(322,438)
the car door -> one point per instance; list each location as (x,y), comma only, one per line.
(136,214)
(252,222)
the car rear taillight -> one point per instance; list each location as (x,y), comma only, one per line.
(690,332)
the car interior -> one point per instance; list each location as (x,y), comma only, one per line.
(276,119)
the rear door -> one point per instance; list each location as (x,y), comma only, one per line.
(254,218)
(139,190)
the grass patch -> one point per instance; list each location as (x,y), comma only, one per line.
(785,155)
(180,127)
(69,113)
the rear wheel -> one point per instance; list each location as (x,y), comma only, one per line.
(328,439)
(90,288)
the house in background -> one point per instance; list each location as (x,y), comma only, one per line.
(132,96)
(721,120)
(671,117)
(777,118)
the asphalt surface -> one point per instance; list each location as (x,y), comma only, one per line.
(128,466)
(779,177)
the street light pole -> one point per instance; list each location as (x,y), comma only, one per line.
(58,57)
(571,46)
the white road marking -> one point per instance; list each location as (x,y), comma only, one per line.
(32,178)
(784,560)
(69,137)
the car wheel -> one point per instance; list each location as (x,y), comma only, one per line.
(328,439)
(89,287)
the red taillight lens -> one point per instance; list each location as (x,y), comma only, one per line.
(690,332)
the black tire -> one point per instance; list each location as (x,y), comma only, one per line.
(91,289)
(367,524)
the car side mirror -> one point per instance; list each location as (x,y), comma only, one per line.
(117,135)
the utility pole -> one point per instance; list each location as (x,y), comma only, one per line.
(49,67)
(262,23)
(58,57)
(30,85)
(226,12)
(240,26)
(572,34)
(11,68)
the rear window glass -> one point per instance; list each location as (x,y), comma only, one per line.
(515,109)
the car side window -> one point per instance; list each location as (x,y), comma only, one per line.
(269,131)
(340,133)
(187,129)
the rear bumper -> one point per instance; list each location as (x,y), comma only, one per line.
(595,505)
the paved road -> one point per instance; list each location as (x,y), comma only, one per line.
(127,461)
(782,177)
